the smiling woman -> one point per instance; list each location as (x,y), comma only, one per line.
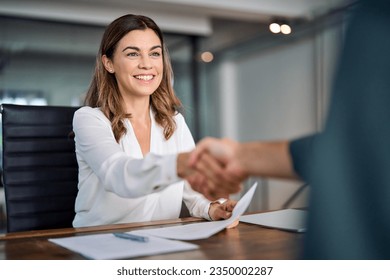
(138,66)
(138,69)
(120,61)
(132,145)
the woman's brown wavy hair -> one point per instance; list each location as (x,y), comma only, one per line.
(104,93)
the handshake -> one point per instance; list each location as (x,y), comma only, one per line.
(217,167)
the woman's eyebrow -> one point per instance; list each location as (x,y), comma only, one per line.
(138,49)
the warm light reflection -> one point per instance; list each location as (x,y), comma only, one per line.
(285,29)
(207,57)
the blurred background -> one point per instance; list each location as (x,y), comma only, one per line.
(237,75)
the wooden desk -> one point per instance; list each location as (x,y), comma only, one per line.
(245,242)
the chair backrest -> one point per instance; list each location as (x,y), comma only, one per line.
(40,171)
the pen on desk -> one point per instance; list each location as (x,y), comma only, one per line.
(130,236)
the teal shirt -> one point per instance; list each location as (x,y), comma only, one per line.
(348,164)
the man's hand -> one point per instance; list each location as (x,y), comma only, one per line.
(217,161)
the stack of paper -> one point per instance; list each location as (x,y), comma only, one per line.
(107,246)
(201,230)
(287,219)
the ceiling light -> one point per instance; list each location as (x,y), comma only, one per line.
(280,26)
(285,29)
(274,27)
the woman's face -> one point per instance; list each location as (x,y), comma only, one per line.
(137,63)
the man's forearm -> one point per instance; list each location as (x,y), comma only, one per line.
(267,159)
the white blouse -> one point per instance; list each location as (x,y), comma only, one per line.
(118,185)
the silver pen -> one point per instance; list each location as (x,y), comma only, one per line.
(130,236)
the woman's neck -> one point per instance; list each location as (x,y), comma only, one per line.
(139,108)
(141,122)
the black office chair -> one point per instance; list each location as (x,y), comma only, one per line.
(40,171)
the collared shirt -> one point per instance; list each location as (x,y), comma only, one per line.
(117,184)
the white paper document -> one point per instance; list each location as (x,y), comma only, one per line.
(201,230)
(106,246)
(287,219)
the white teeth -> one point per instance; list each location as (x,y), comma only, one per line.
(144,77)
